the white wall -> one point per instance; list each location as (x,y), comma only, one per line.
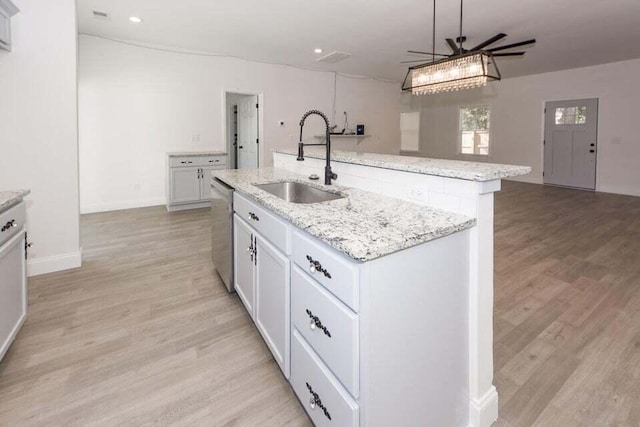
(38,129)
(137,103)
(517,120)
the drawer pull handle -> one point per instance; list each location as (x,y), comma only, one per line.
(186,163)
(9,225)
(214,161)
(316,323)
(253,216)
(315,400)
(315,265)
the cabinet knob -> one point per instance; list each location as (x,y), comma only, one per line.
(312,268)
(312,402)
(312,325)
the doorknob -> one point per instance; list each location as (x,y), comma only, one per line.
(240,147)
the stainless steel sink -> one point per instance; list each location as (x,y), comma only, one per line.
(297,192)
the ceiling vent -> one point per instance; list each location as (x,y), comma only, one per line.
(334,57)
(101,15)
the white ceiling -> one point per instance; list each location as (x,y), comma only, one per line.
(570,33)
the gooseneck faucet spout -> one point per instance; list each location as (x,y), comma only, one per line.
(328,174)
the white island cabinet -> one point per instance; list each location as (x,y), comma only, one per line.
(261,271)
(461,187)
(373,343)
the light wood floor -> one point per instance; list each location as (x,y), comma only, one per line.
(145,334)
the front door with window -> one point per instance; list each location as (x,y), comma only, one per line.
(570,143)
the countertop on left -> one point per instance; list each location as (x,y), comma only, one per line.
(196,153)
(363,225)
(11,198)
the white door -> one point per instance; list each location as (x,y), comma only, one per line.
(244,263)
(185,185)
(570,143)
(272,301)
(248,133)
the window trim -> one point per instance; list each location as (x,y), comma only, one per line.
(459,146)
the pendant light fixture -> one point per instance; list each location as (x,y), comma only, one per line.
(462,70)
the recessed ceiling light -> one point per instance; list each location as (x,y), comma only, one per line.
(317,50)
(135,19)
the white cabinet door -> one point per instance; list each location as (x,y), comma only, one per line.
(185,185)
(244,263)
(272,301)
(13,290)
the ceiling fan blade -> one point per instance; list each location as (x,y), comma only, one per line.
(487,42)
(509,54)
(454,47)
(509,46)
(417,52)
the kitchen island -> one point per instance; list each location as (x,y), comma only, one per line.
(377,305)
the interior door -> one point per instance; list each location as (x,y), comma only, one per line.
(244,277)
(272,301)
(570,143)
(185,185)
(248,133)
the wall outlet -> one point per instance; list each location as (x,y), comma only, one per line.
(136,187)
(195,137)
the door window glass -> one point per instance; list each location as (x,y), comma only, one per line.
(571,115)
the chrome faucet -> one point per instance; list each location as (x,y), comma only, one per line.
(328,175)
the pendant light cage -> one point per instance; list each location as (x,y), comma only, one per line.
(465,71)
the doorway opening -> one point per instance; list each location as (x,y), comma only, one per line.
(242,131)
(570,143)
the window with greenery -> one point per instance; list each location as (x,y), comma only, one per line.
(474,130)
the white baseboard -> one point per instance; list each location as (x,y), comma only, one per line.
(175,208)
(483,412)
(117,206)
(50,264)
(627,191)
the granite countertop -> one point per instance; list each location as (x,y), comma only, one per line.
(11,198)
(363,225)
(471,171)
(196,153)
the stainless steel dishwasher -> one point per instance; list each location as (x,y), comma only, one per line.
(222,230)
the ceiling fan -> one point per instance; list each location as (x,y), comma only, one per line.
(457,48)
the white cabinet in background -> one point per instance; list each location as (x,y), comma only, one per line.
(7,10)
(188,179)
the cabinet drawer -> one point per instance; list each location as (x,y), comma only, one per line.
(197,161)
(11,222)
(329,327)
(322,396)
(271,227)
(329,268)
